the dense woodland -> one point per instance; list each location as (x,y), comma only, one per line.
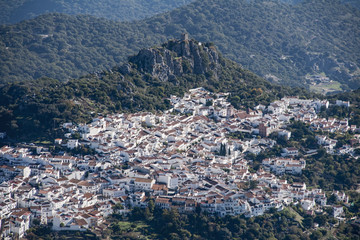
(121,10)
(354,3)
(284,42)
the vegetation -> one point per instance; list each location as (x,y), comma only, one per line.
(331,172)
(63,47)
(122,10)
(281,41)
(352,2)
(326,88)
(40,232)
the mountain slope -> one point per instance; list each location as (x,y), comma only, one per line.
(122,10)
(286,43)
(31,110)
(354,3)
(62,46)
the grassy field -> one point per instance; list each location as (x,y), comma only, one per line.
(325,88)
(133,230)
(298,218)
(45,233)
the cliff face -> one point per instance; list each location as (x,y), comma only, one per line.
(175,58)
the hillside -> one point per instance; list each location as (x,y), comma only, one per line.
(121,10)
(31,110)
(354,3)
(306,43)
(62,46)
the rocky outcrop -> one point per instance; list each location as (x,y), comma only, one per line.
(175,58)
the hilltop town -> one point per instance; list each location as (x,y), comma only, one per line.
(197,155)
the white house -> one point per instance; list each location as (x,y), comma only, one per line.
(285,134)
(72,143)
(307,204)
(337,211)
(144,184)
(291,151)
(20,222)
(343,103)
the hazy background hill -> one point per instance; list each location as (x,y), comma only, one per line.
(355,3)
(12,11)
(122,10)
(286,43)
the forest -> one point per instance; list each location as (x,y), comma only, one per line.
(121,10)
(312,37)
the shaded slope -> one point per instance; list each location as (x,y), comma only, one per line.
(122,10)
(283,42)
